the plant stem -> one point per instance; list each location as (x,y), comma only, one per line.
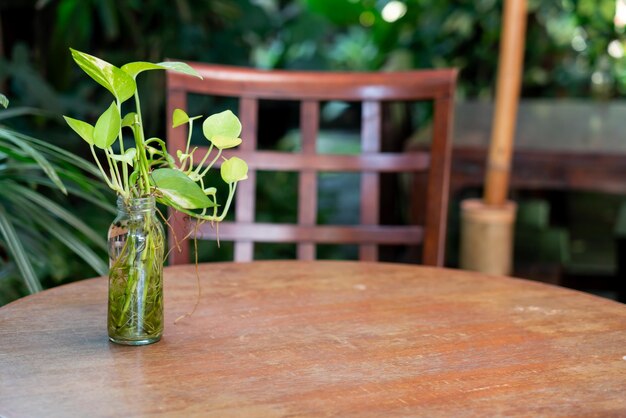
(104,175)
(208,167)
(142,160)
(205,158)
(121,141)
(113,163)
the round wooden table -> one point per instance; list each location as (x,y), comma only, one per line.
(294,338)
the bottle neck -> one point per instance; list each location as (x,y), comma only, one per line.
(139,206)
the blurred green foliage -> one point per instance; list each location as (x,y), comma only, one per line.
(567,46)
(567,41)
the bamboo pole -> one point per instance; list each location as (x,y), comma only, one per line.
(507,98)
(487,224)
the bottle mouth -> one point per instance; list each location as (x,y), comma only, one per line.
(136,204)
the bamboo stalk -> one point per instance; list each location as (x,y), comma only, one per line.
(507,98)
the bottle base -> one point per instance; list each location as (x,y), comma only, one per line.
(144,341)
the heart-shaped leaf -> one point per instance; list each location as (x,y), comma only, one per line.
(180,189)
(134,68)
(83,129)
(233,170)
(118,82)
(107,127)
(179,117)
(223,124)
(129,120)
(128,157)
(180,67)
(224,142)
(4,102)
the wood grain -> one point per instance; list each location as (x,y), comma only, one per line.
(300,338)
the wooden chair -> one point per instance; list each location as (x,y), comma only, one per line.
(310,88)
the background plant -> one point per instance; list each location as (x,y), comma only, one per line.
(568,41)
(40,184)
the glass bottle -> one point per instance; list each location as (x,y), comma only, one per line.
(136,249)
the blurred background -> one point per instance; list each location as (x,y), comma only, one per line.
(574,75)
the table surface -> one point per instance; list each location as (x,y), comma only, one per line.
(295,338)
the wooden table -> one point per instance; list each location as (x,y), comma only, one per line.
(321,339)
(559,145)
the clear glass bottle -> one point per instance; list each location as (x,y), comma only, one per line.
(136,249)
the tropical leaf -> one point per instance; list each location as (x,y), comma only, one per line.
(129,120)
(83,129)
(179,117)
(224,124)
(134,68)
(88,192)
(128,157)
(179,188)
(107,127)
(36,155)
(180,67)
(118,82)
(55,209)
(18,253)
(225,142)
(233,170)
(70,240)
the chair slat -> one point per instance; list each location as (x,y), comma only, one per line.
(245,200)
(438,180)
(321,234)
(177,99)
(310,85)
(371,114)
(284,161)
(307,188)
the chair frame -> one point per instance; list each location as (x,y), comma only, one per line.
(311,88)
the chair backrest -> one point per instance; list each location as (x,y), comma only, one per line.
(310,89)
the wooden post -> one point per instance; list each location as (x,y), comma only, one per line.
(507,97)
(487,225)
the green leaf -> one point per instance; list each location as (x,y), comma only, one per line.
(4,102)
(83,129)
(107,127)
(180,67)
(18,253)
(179,117)
(118,82)
(224,124)
(134,68)
(224,142)
(180,189)
(69,239)
(60,212)
(128,157)
(129,120)
(23,143)
(233,170)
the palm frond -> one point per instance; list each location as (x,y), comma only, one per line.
(68,238)
(45,165)
(51,207)
(18,253)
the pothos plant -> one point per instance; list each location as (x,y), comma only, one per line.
(144,172)
(147,169)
